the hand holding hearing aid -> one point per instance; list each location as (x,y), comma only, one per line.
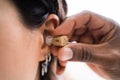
(98,43)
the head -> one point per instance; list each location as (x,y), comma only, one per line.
(24,24)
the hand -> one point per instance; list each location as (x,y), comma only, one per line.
(98,43)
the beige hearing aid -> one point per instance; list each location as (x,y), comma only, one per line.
(57,41)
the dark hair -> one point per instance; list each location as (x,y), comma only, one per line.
(35,12)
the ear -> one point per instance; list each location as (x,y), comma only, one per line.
(49,25)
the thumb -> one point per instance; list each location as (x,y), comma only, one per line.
(98,54)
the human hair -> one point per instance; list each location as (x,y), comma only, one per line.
(35,12)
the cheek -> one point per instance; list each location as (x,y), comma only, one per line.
(19,47)
(19,50)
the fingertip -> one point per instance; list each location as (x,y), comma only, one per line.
(65,54)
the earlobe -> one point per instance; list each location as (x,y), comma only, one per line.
(51,23)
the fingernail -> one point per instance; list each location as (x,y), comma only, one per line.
(66,54)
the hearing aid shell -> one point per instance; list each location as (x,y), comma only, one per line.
(57,41)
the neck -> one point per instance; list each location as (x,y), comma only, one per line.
(38,74)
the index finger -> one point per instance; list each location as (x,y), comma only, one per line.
(65,28)
(71,23)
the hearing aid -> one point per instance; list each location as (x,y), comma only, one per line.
(57,41)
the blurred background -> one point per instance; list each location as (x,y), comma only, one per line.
(107,8)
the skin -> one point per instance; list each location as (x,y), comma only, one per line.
(97,44)
(21,49)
